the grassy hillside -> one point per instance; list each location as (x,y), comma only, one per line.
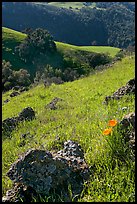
(81,117)
(73,5)
(11,38)
(98,49)
(108,23)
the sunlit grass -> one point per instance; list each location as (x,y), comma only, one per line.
(98,49)
(81,116)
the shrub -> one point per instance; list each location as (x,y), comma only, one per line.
(11,78)
(7,85)
(36,43)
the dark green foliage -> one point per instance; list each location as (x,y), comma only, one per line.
(11,78)
(49,64)
(120,54)
(72,66)
(114,25)
(37,43)
(98,59)
(6,74)
(126,5)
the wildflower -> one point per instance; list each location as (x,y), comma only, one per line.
(112,123)
(107,131)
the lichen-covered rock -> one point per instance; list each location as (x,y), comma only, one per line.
(127,128)
(128,120)
(47,172)
(27,194)
(27,114)
(9,124)
(14,93)
(53,103)
(6,101)
(129,88)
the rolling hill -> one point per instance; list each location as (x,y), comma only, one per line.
(12,38)
(82,26)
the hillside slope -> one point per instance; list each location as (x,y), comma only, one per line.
(81,117)
(84,26)
(11,38)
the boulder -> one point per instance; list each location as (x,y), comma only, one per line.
(45,172)
(6,101)
(14,93)
(10,123)
(129,88)
(127,128)
(53,103)
(128,120)
(27,114)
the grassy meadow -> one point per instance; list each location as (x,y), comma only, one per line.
(81,116)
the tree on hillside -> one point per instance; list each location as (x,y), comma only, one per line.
(27,31)
(22,77)
(11,78)
(36,43)
(6,72)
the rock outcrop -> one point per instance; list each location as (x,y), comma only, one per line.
(43,173)
(26,114)
(53,104)
(129,88)
(14,93)
(127,128)
(10,123)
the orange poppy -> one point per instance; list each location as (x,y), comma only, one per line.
(112,123)
(107,131)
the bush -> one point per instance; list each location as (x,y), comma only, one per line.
(99,59)
(11,78)
(36,43)
(7,85)
(22,77)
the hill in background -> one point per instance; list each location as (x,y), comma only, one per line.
(78,59)
(98,23)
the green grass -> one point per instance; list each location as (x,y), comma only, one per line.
(98,49)
(67,5)
(11,38)
(81,117)
(75,6)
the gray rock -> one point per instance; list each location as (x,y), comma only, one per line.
(9,124)
(46,172)
(129,88)
(127,129)
(27,114)
(6,101)
(53,103)
(14,93)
